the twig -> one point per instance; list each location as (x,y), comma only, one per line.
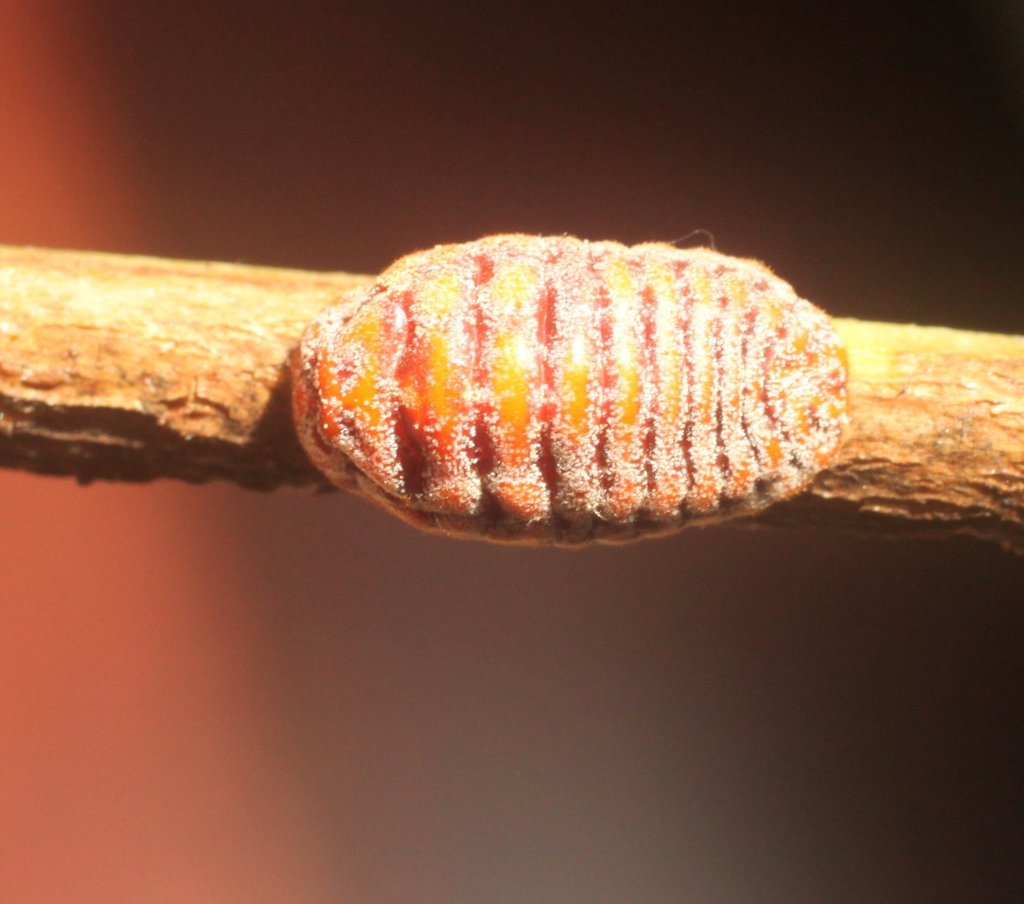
(133,368)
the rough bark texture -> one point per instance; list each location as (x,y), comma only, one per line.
(133,368)
(935,442)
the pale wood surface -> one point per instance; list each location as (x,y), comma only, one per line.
(936,436)
(133,368)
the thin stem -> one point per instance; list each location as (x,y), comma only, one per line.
(133,368)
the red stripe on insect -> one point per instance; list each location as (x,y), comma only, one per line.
(553,389)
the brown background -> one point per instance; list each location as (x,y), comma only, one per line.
(208,694)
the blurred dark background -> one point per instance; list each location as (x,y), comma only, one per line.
(210,694)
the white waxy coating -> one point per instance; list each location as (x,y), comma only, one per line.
(549,388)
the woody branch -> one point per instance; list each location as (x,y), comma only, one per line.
(134,368)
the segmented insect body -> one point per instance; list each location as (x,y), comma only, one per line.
(553,389)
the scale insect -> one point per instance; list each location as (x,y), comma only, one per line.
(551,389)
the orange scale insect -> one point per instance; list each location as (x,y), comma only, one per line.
(550,389)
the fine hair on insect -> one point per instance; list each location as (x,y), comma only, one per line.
(552,389)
